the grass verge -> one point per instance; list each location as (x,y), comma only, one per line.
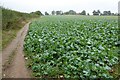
(8,36)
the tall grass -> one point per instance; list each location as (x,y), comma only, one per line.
(12,21)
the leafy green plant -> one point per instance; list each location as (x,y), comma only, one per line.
(73,47)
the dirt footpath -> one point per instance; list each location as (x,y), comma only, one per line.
(16,68)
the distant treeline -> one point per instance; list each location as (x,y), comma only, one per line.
(72,12)
(12,19)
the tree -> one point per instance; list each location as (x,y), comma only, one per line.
(109,12)
(53,12)
(46,13)
(106,12)
(71,12)
(66,13)
(37,13)
(112,14)
(58,12)
(101,14)
(88,14)
(118,14)
(96,12)
(83,12)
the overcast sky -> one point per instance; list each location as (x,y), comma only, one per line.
(64,5)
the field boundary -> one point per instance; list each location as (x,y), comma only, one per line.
(13,57)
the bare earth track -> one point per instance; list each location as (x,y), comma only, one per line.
(17,68)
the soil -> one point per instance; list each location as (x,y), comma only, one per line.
(15,68)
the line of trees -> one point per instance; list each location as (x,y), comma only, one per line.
(104,13)
(72,12)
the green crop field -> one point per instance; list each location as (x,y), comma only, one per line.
(72,46)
